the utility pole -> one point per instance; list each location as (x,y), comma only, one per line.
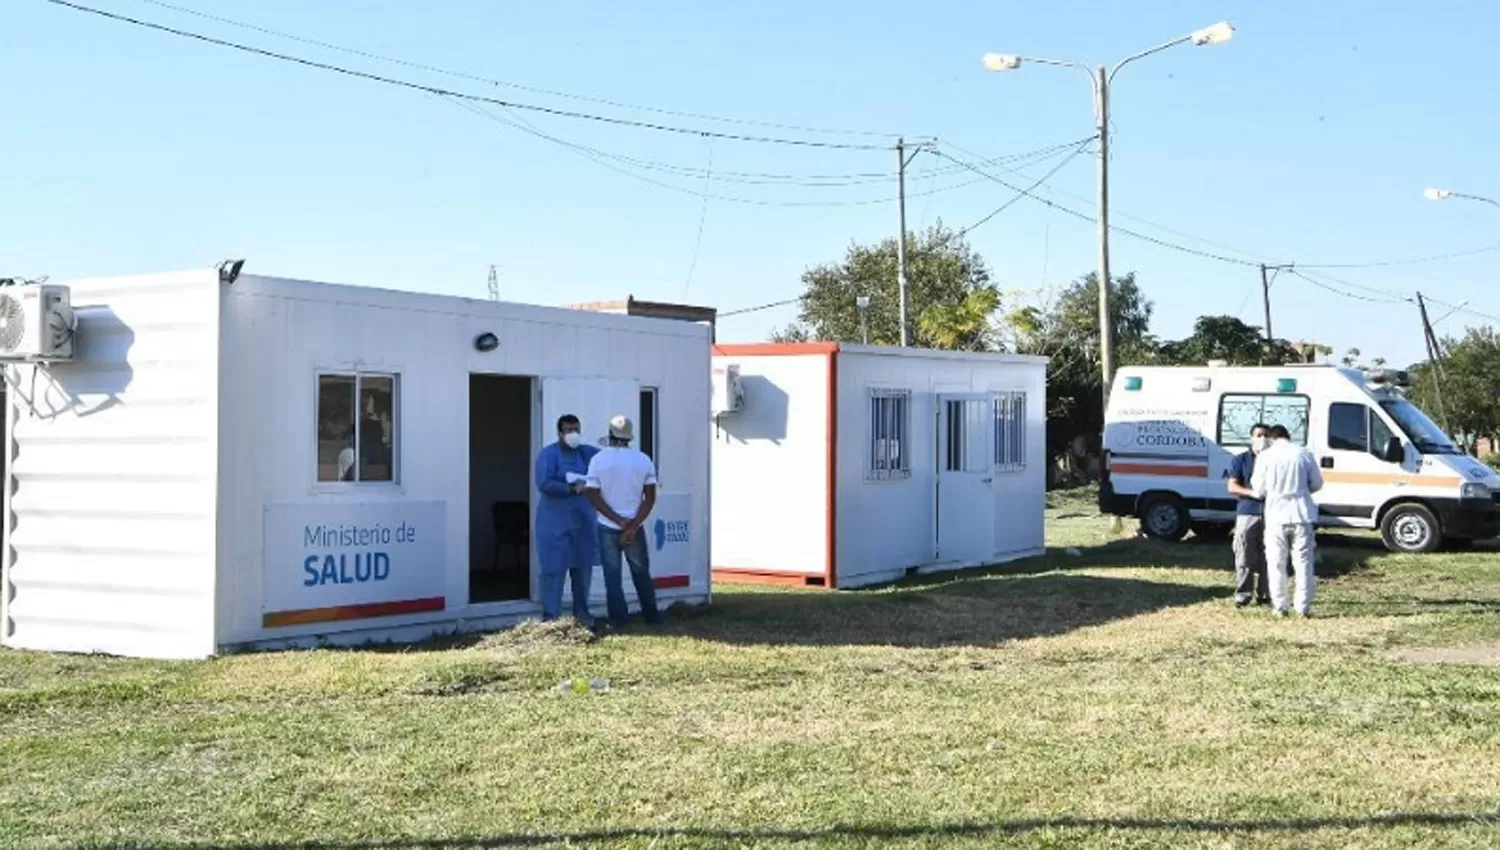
(1434,358)
(902,160)
(1265,296)
(1106,324)
(494,285)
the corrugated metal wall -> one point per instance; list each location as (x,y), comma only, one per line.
(113,467)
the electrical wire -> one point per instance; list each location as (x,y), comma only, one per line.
(1277,260)
(438,90)
(1019,195)
(602,160)
(511,85)
(1388,299)
(1086,217)
(742,311)
(702,220)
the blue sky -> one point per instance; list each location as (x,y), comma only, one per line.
(1309,137)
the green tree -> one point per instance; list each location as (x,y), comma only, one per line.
(1229,339)
(1068,332)
(952,300)
(1465,389)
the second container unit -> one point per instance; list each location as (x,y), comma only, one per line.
(840,466)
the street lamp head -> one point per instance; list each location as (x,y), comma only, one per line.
(1216,34)
(1437,194)
(1001,61)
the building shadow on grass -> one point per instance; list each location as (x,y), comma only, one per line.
(960,612)
(862,833)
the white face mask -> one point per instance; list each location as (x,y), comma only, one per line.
(572,439)
(1260,444)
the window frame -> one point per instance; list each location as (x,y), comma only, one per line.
(1219,425)
(1372,419)
(358,376)
(1328,436)
(901,422)
(1014,403)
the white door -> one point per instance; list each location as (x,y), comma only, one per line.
(593,401)
(966,475)
(1356,474)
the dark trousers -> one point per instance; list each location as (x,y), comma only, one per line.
(1250,560)
(611,552)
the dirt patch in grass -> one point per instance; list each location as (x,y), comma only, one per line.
(1457,655)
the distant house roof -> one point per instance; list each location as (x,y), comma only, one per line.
(653,309)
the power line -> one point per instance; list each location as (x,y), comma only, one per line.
(1086,217)
(1019,195)
(507,84)
(602,158)
(1321,285)
(437,90)
(1410,261)
(1269,259)
(757,309)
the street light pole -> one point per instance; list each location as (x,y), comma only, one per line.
(1446,194)
(1100,80)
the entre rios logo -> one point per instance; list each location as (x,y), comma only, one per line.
(670,531)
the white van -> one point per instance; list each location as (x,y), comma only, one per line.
(1171,432)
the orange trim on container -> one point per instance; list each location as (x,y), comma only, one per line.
(739,575)
(1334,477)
(273,619)
(774,349)
(830,572)
(1123,468)
(661,582)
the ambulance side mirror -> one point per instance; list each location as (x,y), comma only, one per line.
(1394,451)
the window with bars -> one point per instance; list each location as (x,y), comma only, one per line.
(890,429)
(1010,432)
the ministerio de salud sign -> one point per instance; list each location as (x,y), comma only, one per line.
(326,563)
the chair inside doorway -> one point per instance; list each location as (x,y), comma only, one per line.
(500,460)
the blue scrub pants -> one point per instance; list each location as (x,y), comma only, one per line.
(552,593)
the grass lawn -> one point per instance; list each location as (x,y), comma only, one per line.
(1111,698)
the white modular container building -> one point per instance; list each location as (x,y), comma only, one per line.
(842,466)
(241,461)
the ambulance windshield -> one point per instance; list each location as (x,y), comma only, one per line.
(1423,432)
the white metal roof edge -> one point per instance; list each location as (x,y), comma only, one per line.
(941,354)
(458,305)
(399,299)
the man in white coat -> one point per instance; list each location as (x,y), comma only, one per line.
(1286,475)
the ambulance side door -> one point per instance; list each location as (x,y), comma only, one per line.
(1356,478)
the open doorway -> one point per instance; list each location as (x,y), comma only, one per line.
(500,424)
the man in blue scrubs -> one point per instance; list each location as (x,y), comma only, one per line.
(566,538)
(1250,582)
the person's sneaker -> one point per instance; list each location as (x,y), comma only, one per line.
(1279,613)
(1306,615)
(1241,603)
(1264,600)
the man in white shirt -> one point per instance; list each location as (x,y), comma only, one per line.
(622,485)
(1286,475)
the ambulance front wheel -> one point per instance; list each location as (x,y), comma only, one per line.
(1411,528)
(1165,517)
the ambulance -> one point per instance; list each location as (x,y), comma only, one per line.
(1170,434)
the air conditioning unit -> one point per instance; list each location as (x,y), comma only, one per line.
(36,323)
(727,396)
